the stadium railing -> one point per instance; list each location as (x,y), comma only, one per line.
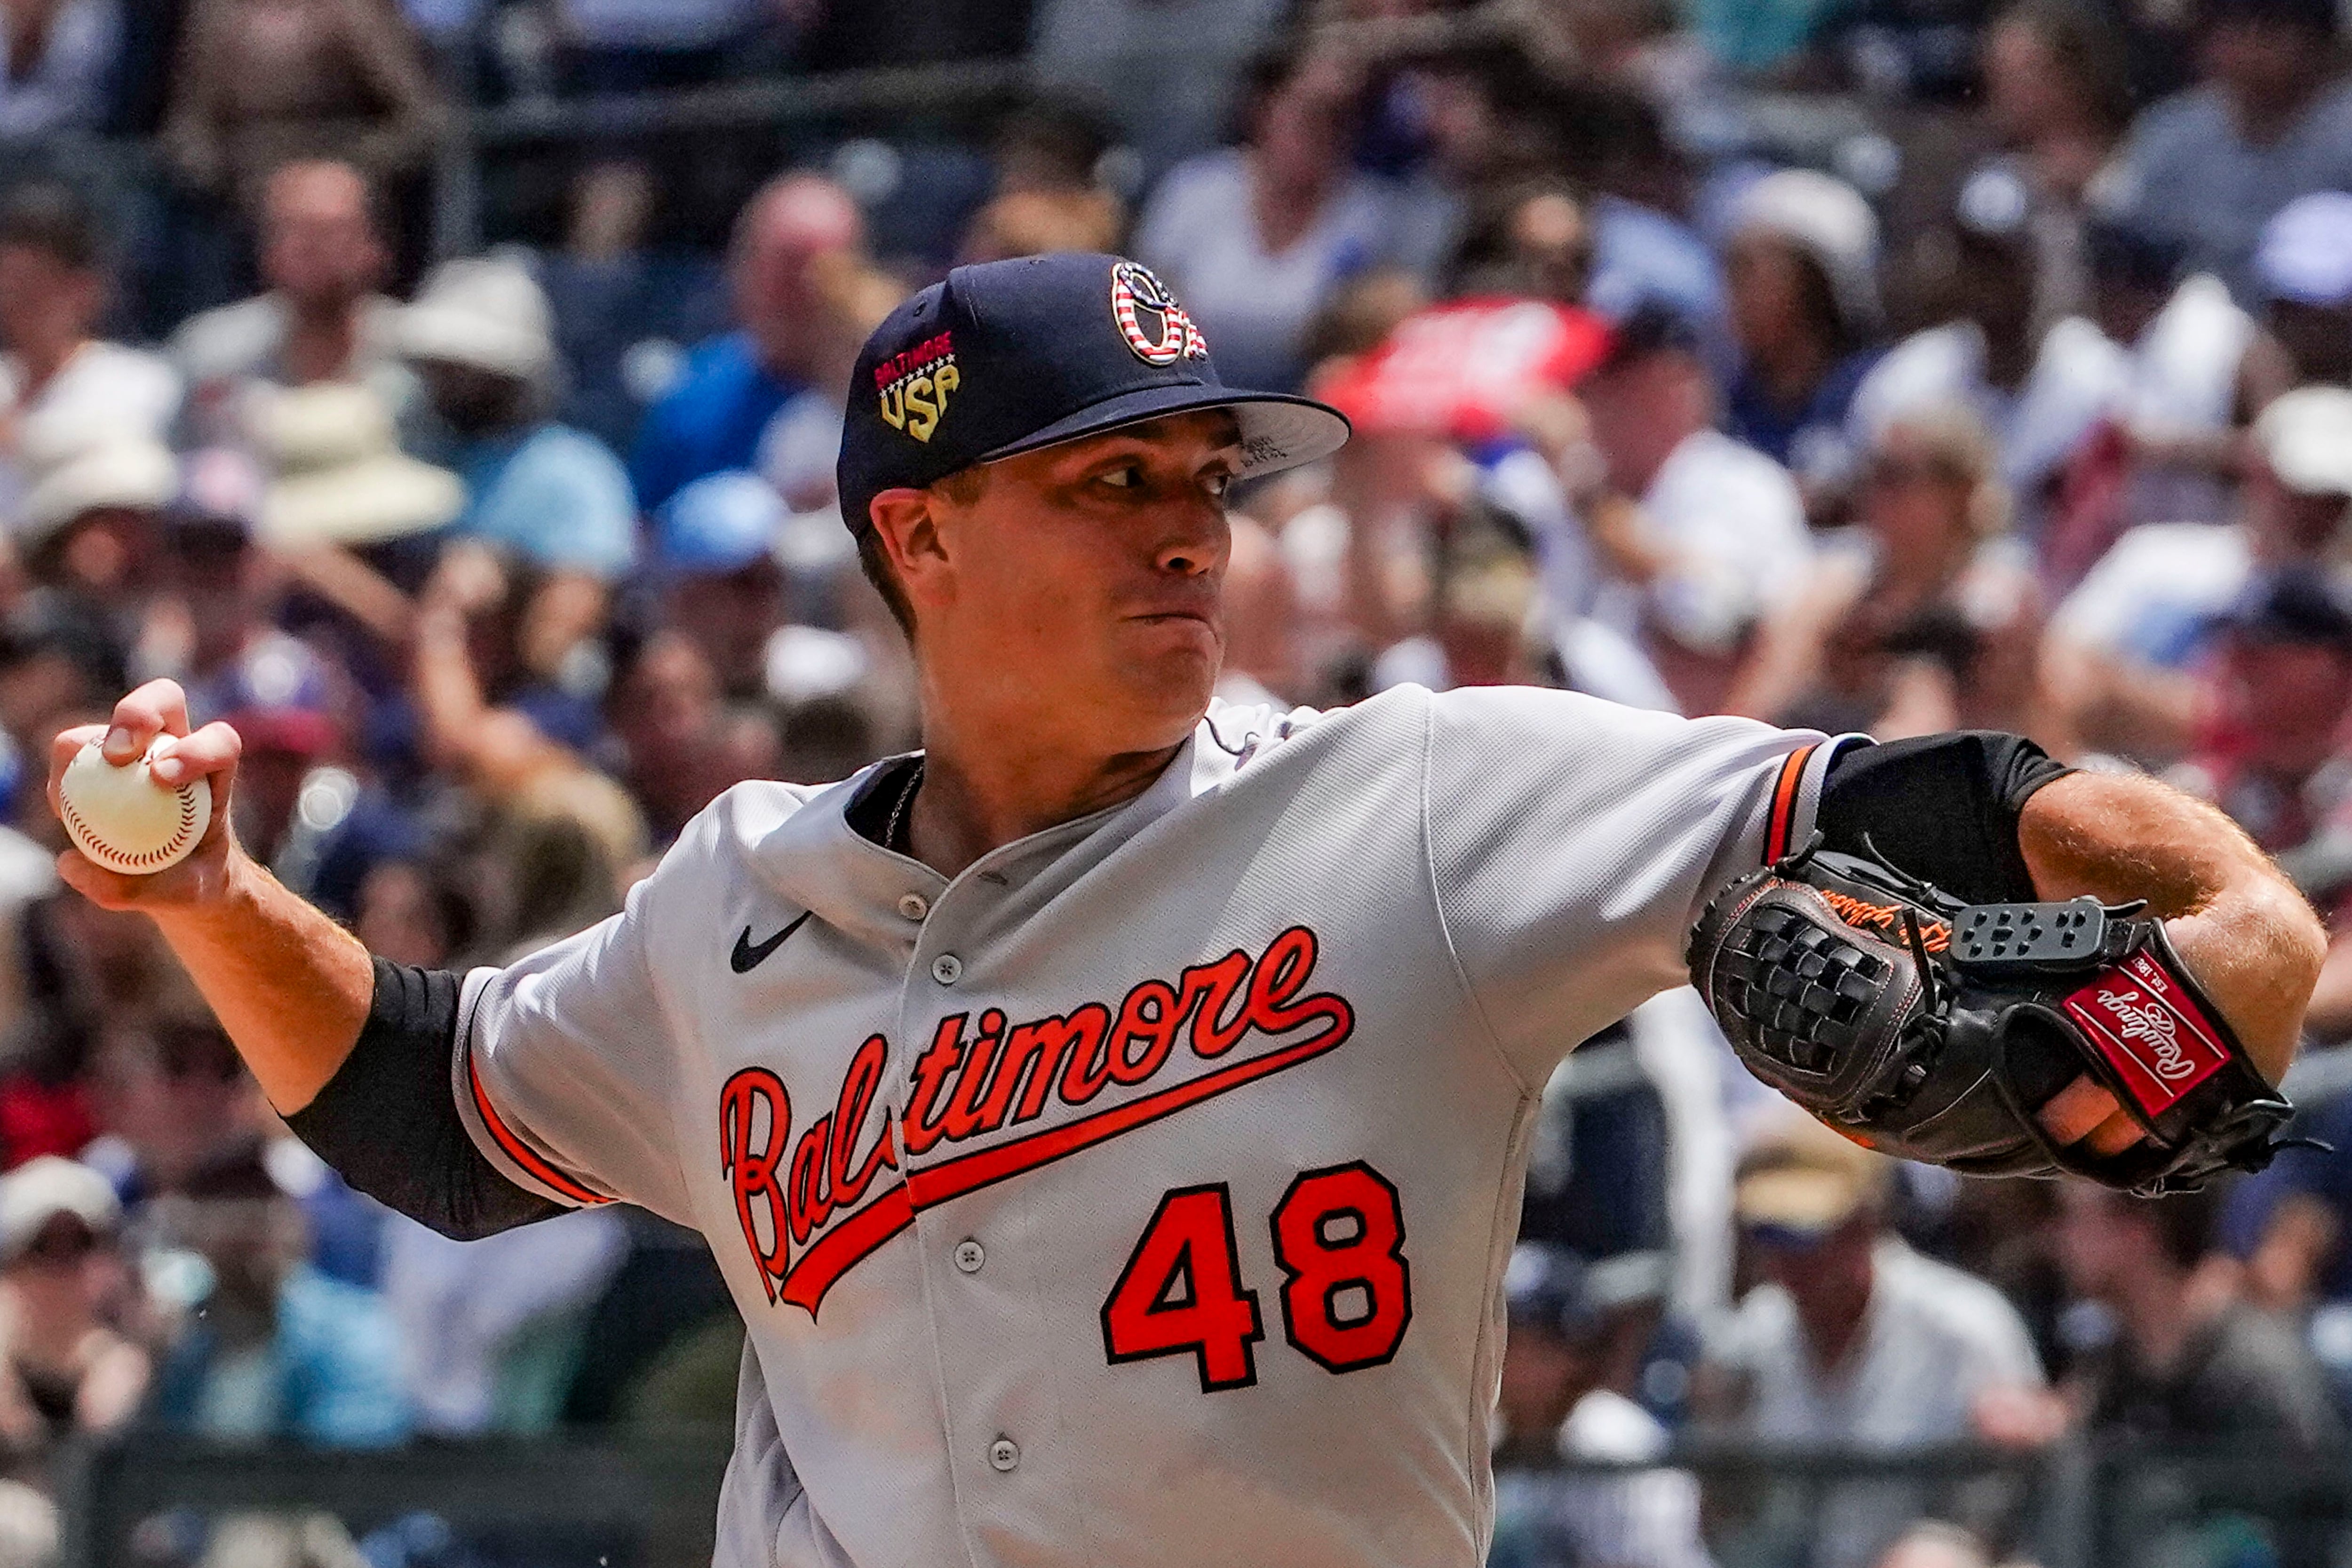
(651,1502)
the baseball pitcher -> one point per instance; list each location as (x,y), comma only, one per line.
(1111,1119)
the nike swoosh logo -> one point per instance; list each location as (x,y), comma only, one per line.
(746,958)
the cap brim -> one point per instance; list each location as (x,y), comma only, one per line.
(1279,431)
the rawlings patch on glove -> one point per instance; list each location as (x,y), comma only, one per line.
(1936,1030)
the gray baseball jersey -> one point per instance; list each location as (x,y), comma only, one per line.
(1140,1195)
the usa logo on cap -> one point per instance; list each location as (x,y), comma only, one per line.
(1135,295)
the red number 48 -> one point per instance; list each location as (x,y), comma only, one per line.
(1347,1293)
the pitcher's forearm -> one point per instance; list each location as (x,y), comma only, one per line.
(2244,932)
(289,985)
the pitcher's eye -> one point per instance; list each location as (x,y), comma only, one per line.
(1217,485)
(1126,477)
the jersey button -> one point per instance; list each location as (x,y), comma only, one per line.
(1005,1456)
(914,906)
(970,1254)
(947,969)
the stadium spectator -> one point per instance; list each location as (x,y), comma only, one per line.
(1467,127)
(1703,537)
(481,338)
(2040,392)
(2189,1358)
(1801,266)
(2276,694)
(170,1094)
(87,527)
(1092,45)
(1933,625)
(2303,272)
(2289,1224)
(1254,238)
(793,236)
(715,545)
(1936,1545)
(219,587)
(2058,93)
(272,1350)
(323,259)
(56,62)
(70,1368)
(263,83)
(2118,664)
(491,642)
(1555,1406)
(1261,610)
(492,1328)
(279,696)
(355,521)
(1646,246)
(1854,1338)
(1049,154)
(625,291)
(2271,120)
(55,371)
(680,745)
(2166,447)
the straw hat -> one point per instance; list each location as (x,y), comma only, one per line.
(342,477)
(485,312)
(132,472)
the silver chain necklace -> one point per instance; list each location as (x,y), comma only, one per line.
(898,812)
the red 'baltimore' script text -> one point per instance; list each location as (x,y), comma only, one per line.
(809,1218)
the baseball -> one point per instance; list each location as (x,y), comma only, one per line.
(122,818)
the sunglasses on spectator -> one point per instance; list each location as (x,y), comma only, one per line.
(1896,473)
(193,1051)
(1786,1238)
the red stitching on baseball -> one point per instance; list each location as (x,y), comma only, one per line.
(89,843)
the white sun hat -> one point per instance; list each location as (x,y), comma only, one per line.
(2305,435)
(339,477)
(485,312)
(134,473)
(1827,220)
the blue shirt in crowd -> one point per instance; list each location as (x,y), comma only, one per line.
(710,421)
(329,1376)
(1812,441)
(555,495)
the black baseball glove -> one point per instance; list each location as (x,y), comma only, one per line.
(1935,1030)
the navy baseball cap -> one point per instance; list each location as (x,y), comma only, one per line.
(1008,356)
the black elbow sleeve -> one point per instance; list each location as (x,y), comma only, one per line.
(387,1121)
(1940,807)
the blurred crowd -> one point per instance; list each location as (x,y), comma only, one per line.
(1885,366)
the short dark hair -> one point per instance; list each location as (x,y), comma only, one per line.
(874,562)
(51,219)
(2088,51)
(964,487)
